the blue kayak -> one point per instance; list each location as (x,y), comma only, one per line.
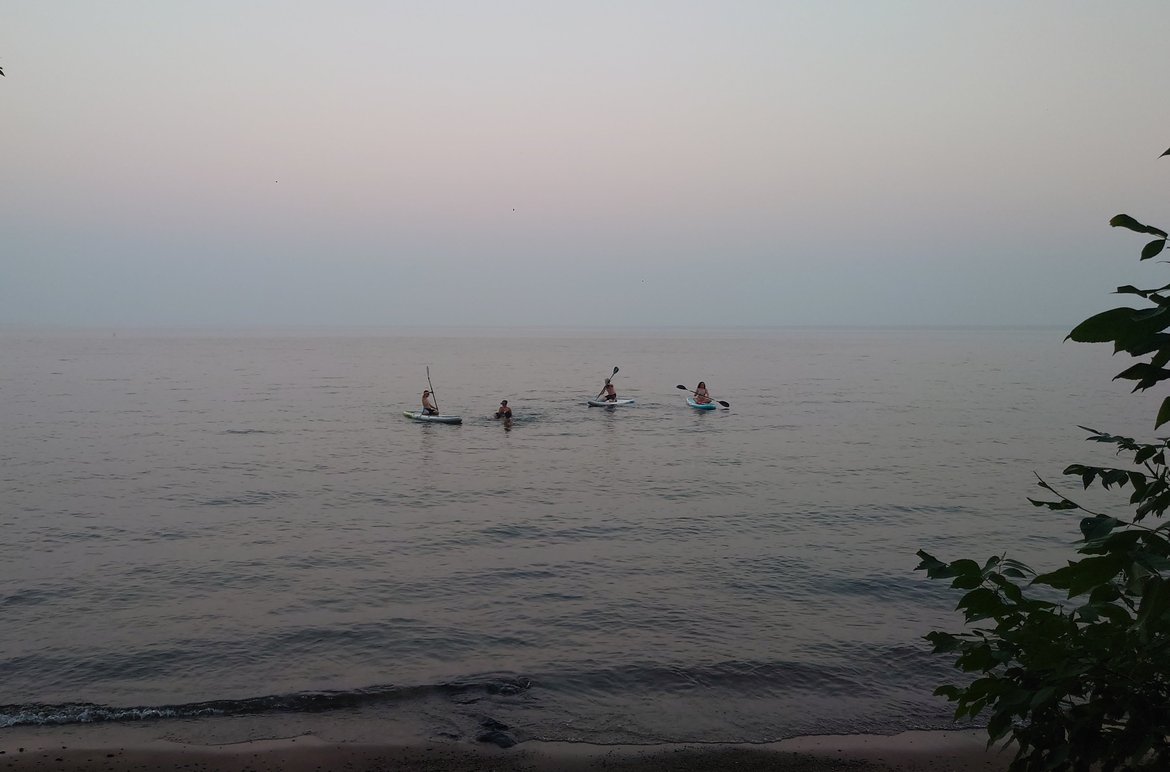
(697,406)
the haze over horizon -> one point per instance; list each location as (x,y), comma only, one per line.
(549,164)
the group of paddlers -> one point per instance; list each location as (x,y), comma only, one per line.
(607,394)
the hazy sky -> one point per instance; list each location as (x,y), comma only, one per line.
(579,163)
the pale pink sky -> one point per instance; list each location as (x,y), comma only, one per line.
(542,163)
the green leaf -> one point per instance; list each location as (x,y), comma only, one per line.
(928,561)
(1057,505)
(935,568)
(976,659)
(998,726)
(1122,541)
(1098,526)
(1153,248)
(1148,344)
(1098,571)
(1163,413)
(1129,289)
(967,581)
(952,693)
(942,642)
(966,566)
(1155,601)
(1115,614)
(1158,564)
(1106,593)
(1142,371)
(1115,439)
(1113,478)
(981,603)
(1010,591)
(1042,696)
(1125,221)
(1083,575)
(1103,327)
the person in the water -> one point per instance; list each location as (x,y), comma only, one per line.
(503,411)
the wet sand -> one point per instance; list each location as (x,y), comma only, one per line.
(959,751)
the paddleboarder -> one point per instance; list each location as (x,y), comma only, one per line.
(609,391)
(428,406)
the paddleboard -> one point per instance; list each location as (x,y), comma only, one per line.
(437,419)
(703,406)
(608,403)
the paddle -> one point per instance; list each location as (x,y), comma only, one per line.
(432,388)
(615,371)
(721,402)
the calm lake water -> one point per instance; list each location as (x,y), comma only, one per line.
(246,524)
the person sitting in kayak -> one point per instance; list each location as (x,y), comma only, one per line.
(609,391)
(504,411)
(428,405)
(701,395)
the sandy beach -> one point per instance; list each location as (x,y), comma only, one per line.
(959,751)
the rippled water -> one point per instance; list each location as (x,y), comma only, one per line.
(245,524)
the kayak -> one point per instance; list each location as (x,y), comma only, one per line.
(703,406)
(608,403)
(435,419)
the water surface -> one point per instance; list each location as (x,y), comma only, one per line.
(237,524)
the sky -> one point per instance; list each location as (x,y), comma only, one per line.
(248,163)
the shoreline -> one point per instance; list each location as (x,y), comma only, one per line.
(128,748)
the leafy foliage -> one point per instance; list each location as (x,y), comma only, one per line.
(1073,665)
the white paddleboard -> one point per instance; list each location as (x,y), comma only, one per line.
(437,419)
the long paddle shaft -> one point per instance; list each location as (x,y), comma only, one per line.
(721,402)
(432,388)
(607,380)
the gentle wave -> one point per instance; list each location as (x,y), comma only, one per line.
(302,702)
(741,680)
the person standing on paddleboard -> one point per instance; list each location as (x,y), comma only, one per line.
(428,407)
(701,395)
(503,411)
(609,391)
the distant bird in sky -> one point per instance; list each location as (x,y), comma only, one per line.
(2,72)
